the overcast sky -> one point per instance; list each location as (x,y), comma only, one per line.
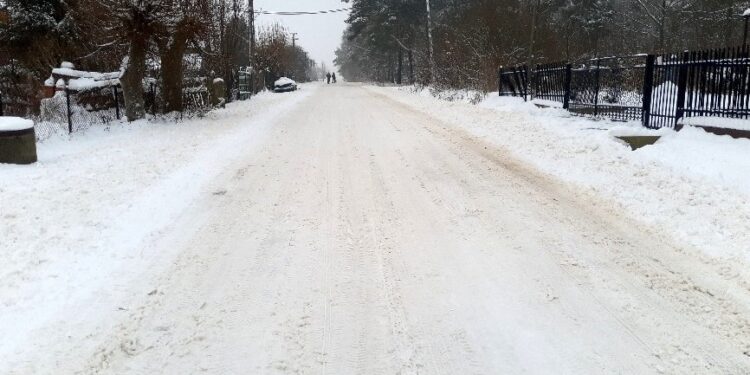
(320,35)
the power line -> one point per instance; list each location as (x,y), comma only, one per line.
(301,13)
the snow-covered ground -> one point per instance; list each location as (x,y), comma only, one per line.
(692,185)
(343,229)
(74,225)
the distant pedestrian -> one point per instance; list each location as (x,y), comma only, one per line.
(328,78)
(334,77)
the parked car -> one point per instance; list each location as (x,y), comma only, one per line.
(284,84)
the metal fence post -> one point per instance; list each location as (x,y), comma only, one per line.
(70,115)
(152,94)
(500,81)
(648,87)
(117,103)
(535,82)
(682,87)
(568,78)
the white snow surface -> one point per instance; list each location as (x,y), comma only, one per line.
(370,230)
(69,72)
(9,123)
(76,225)
(284,81)
(693,185)
(547,103)
(717,122)
(634,129)
(80,80)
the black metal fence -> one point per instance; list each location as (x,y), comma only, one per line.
(513,81)
(609,87)
(658,90)
(552,82)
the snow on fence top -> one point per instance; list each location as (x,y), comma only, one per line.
(80,80)
(717,122)
(15,123)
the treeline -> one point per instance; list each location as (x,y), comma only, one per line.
(388,40)
(166,40)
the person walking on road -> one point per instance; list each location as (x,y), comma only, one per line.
(328,78)
(334,77)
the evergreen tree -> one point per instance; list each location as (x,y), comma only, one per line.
(42,33)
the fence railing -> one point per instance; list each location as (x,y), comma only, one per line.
(513,81)
(70,111)
(552,82)
(658,90)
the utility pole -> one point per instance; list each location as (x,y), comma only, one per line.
(429,42)
(294,55)
(251,26)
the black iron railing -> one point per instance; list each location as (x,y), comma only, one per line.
(513,81)
(658,90)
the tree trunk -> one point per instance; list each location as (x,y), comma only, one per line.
(399,77)
(132,80)
(430,47)
(411,67)
(171,54)
(662,27)
(532,36)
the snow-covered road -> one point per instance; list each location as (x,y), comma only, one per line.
(350,234)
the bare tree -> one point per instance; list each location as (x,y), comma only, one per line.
(135,22)
(187,21)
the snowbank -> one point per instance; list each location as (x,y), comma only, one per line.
(76,225)
(15,123)
(691,185)
(547,103)
(717,122)
(636,130)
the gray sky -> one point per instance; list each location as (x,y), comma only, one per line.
(319,35)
